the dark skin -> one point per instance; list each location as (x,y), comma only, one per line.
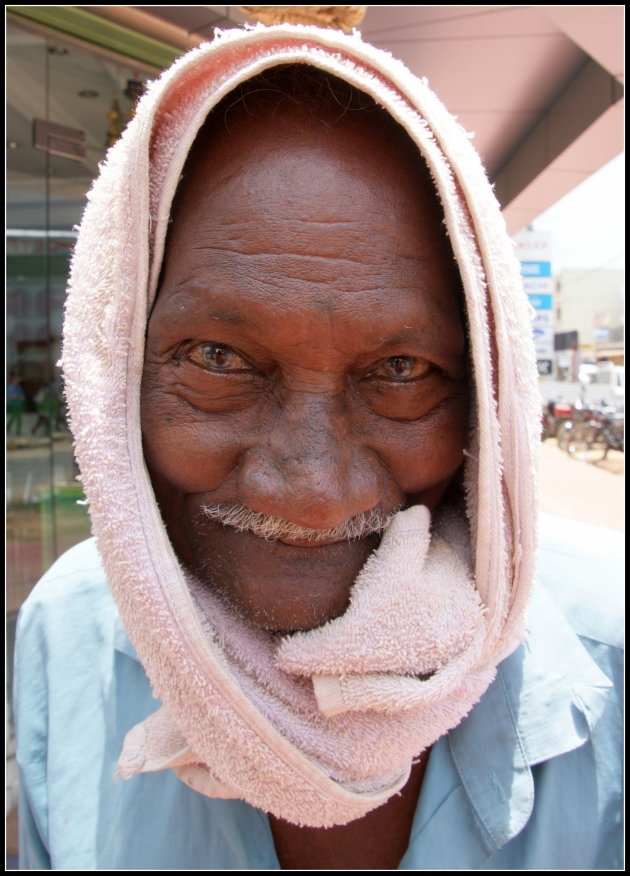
(305,358)
(377,841)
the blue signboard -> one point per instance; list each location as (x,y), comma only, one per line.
(536,269)
(541,302)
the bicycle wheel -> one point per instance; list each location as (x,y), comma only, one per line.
(563,434)
(586,442)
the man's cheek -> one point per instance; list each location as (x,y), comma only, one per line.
(427,452)
(193,454)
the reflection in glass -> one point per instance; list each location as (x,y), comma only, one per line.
(69,87)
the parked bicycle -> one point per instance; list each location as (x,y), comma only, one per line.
(591,439)
(554,415)
(577,414)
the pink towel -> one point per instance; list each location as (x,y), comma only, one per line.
(321,727)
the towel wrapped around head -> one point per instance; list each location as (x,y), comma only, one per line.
(317,727)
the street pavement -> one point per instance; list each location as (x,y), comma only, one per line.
(580,490)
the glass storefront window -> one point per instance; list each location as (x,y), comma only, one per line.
(93,97)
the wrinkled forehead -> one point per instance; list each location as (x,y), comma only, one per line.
(319,106)
(297,129)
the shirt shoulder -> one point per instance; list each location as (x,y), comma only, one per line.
(80,566)
(74,699)
(71,604)
(581,567)
(536,766)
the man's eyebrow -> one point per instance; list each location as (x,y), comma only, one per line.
(226,316)
(176,305)
(442,344)
(414,336)
(202,315)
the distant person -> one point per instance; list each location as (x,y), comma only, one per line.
(47,407)
(16,404)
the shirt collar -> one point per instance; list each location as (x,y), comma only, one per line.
(543,703)
(546,697)
(121,640)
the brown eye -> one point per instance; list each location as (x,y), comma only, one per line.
(218,357)
(403,367)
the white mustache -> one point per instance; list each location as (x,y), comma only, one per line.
(274,528)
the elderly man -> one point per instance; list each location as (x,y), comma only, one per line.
(301,385)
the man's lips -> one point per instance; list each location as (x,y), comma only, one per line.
(290,584)
(311,544)
(278,529)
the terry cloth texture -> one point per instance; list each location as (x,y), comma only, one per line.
(311,730)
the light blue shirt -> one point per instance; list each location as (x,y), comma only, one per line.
(531,779)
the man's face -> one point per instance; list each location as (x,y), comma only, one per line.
(305,358)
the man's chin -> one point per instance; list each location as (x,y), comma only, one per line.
(278,586)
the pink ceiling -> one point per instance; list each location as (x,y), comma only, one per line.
(501,70)
(495,67)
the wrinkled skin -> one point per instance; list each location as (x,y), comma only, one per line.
(305,356)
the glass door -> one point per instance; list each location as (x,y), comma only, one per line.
(65,106)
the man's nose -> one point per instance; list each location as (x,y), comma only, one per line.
(309,468)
